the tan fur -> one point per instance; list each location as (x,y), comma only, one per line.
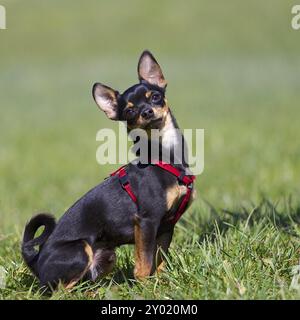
(143,266)
(174,193)
(89,251)
(160,268)
(161,112)
(71,284)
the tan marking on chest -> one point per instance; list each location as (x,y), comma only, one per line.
(193,197)
(175,193)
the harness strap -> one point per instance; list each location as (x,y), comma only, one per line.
(179,174)
(123,178)
(187,180)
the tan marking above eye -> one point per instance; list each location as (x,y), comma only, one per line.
(129,104)
(148,94)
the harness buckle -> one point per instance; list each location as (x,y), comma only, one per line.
(190,186)
(124,180)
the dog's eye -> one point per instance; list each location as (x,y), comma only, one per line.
(156,98)
(129,113)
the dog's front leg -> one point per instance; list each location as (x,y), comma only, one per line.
(163,242)
(145,245)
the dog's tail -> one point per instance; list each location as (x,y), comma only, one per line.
(32,246)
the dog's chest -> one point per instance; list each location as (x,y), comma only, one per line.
(174,195)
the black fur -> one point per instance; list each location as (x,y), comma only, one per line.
(29,251)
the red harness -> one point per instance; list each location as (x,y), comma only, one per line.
(187,180)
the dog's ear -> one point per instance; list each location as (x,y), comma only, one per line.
(107,100)
(150,71)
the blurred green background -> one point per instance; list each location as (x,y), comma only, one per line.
(232,66)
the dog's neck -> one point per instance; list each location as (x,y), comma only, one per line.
(171,143)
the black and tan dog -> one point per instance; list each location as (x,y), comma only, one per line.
(82,243)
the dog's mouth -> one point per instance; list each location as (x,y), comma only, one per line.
(147,125)
(154,124)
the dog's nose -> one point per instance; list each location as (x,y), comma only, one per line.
(147,113)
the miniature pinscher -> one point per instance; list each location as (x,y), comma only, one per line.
(139,204)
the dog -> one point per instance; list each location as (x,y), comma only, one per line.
(139,204)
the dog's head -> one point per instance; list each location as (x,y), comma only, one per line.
(143,105)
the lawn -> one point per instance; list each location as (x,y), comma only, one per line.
(233,69)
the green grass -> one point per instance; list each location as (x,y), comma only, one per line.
(233,69)
(247,254)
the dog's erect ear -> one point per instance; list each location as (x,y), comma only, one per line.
(107,100)
(150,71)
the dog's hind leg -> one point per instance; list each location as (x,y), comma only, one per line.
(103,263)
(67,263)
